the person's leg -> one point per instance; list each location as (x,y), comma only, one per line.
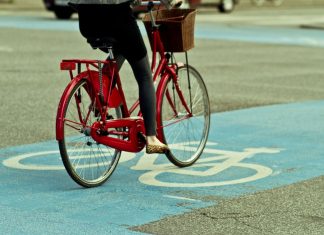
(147,99)
(143,75)
(134,50)
(120,59)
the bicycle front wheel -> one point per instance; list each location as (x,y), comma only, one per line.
(88,163)
(185,117)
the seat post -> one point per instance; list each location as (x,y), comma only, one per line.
(110,53)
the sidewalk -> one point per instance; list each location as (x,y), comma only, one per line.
(23,5)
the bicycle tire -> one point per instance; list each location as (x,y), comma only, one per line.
(186,136)
(88,163)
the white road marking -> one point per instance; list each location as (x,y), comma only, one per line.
(181,198)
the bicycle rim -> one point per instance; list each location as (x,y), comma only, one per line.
(185,135)
(88,163)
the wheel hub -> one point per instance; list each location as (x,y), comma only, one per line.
(86,131)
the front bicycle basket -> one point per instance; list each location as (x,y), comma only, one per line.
(176,28)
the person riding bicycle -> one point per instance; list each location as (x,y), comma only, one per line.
(114,19)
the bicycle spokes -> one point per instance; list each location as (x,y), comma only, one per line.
(185,117)
(88,162)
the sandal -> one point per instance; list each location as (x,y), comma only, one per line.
(151,148)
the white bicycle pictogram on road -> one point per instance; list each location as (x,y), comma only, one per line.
(219,161)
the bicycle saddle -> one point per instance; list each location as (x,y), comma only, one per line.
(101,43)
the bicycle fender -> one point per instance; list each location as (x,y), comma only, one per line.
(63,102)
(92,76)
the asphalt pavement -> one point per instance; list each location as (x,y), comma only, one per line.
(265,75)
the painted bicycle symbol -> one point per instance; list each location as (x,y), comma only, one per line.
(206,167)
(204,173)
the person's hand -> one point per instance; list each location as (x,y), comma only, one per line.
(172,3)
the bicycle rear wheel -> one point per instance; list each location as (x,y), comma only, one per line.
(185,131)
(88,163)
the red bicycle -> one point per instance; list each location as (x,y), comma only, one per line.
(94,124)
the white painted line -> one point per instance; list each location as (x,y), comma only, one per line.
(181,198)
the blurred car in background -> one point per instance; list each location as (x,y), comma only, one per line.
(62,10)
(227,6)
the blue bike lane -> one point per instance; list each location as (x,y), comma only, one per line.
(248,151)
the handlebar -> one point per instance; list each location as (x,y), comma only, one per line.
(146,3)
(168,3)
(150,5)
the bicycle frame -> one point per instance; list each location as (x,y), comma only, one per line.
(108,93)
(113,97)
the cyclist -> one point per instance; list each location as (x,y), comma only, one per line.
(114,19)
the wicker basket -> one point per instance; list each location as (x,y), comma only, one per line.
(176,28)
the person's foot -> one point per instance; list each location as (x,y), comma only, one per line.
(154,145)
(157,149)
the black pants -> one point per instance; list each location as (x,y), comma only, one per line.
(118,22)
